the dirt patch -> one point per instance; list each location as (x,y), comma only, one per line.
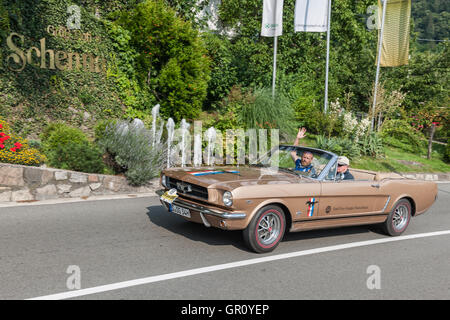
(411,163)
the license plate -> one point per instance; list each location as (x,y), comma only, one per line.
(181,211)
(169,196)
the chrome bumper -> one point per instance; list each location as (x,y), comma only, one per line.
(203,210)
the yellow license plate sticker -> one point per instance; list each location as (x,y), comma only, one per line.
(169,196)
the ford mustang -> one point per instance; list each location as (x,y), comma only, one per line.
(267,199)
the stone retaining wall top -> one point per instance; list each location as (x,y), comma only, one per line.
(23,183)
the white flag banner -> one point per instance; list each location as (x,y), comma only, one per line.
(311,16)
(272,22)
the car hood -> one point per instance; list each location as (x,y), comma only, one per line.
(233,177)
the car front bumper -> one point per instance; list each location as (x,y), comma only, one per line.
(209,216)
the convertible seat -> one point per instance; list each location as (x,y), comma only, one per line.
(363,174)
(367,175)
(388,175)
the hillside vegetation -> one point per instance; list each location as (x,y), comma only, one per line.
(117,59)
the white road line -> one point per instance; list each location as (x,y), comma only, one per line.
(192,272)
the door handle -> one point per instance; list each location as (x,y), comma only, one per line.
(310,202)
(375,186)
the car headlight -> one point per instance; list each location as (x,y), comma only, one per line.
(164,181)
(227,199)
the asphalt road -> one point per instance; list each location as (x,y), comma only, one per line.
(59,248)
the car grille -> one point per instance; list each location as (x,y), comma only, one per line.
(194,190)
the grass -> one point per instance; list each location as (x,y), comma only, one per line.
(401,161)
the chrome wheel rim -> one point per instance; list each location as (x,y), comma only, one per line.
(400,217)
(269,228)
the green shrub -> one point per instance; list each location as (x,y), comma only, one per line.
(77,156)
(56,134)
(223,72)
(400,134)
(368,145)
(100,128)
(264,111)
(131,149)
(69,148)
(371,145)
(340,146)
(307,111)
(311,116)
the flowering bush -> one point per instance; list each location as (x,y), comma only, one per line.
(424,118)
(350,123)
(15,149)
(355,140)
(352,128)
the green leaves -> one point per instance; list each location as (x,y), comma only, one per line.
(131,150)
(69,148)
(171,62)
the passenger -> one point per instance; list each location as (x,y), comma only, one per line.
(342,170)
(303,164)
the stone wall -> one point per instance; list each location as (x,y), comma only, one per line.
(22,184)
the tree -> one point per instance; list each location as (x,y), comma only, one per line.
(425,79)
(171,58)
(302,55)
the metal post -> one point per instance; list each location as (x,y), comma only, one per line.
(380,45)
(328,58)
(274,76)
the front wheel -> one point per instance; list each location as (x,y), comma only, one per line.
(399,218)
(266,229)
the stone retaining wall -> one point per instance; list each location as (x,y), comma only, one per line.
(428,176)
(22,183)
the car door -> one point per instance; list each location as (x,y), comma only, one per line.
(303,199)
(340,198)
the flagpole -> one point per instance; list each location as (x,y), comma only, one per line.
(274,76)
(380,45)
(328,58)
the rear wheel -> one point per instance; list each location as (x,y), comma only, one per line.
(266,229)
(399,218)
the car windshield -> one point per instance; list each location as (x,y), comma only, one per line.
(302,161)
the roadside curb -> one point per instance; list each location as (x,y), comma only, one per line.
(76,200)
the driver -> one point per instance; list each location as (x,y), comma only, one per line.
(303,164)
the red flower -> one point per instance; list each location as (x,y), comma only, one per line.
(1,126)
(2,146)
(18,145)
(13,149)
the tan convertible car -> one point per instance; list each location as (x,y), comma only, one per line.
(270,198)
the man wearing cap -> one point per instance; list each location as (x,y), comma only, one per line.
(342,170)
